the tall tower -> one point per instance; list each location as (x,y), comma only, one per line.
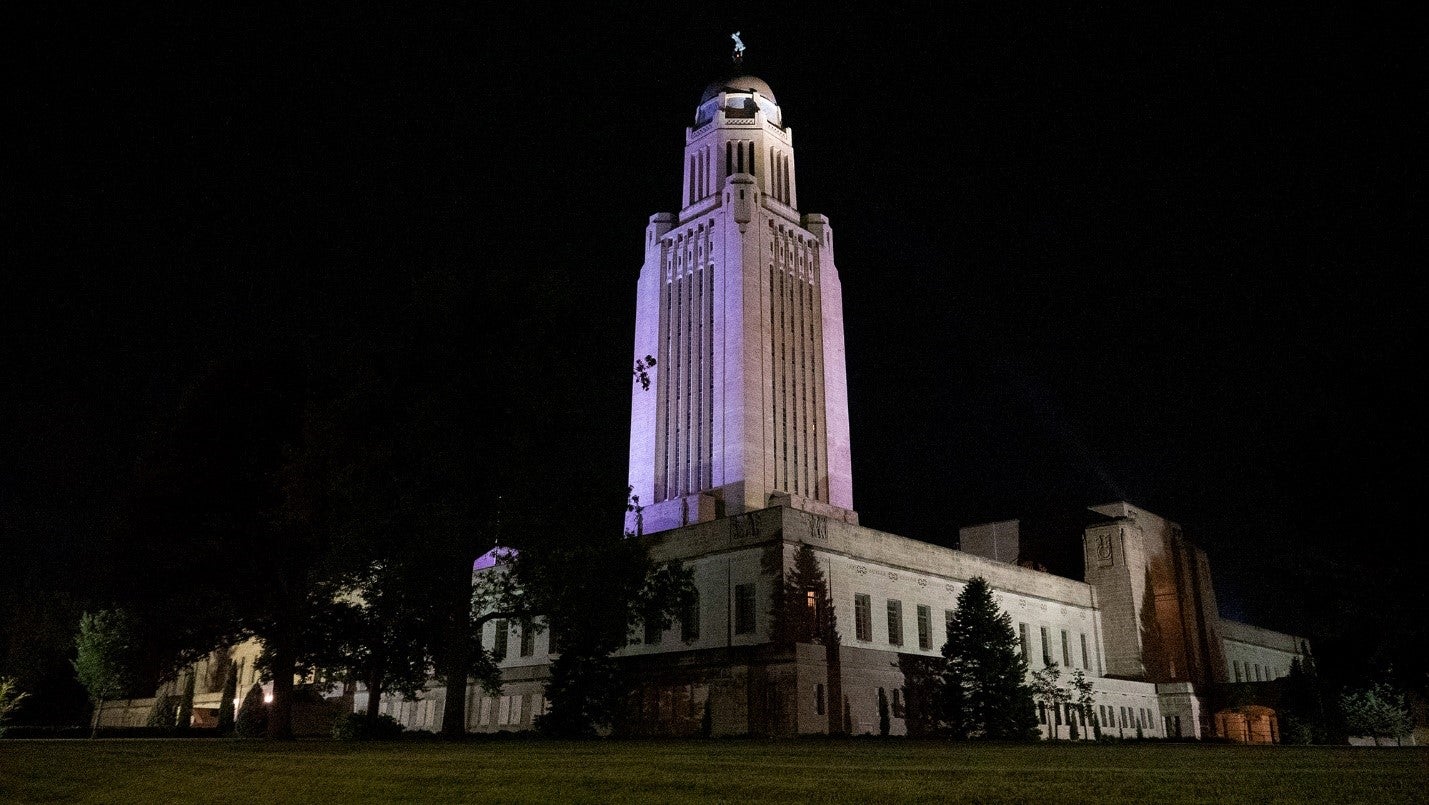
(739,303)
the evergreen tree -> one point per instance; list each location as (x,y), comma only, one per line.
(804,613)
(225,704)
(252,721)
(165,712)
(1303,716)
(184,717)
(984,688)
(803,609)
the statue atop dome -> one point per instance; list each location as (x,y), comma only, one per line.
(738,56)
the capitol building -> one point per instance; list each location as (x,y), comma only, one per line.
(740,455)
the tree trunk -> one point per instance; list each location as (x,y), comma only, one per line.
(94,722)
(280,712)
(456,656)
(833,660)
(374,694)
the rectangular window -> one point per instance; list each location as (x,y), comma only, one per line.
(1086,659)
(925,627)
(1257,672)
(819,698)
(863,616)
(947,623)
(528,639)
(1046,647)
(1066,651)
(1236,665)
(498,647)
(690,619)
(1026,638)
(743,608)
(895,622)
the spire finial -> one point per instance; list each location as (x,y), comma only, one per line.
(738,57)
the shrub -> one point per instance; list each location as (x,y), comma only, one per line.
(165,712)
(359,727)
(226,704)
(10,698)
(252,720)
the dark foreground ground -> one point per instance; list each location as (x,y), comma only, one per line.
(742,771)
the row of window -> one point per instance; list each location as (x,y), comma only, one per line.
(863,621)
(501,648)
(863,628)
(744,617)
(1243,672)
(500,711)
(1127,718)
(1024,637)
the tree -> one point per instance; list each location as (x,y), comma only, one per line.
(1085,700)
(241,480)
(104,657)
(226,705)
(592,591)
(1378,711)
(252,720)
(183,719)
(1050,696)
(1303,716)
(10,698)
(387,633)
(804,613)
(983,687)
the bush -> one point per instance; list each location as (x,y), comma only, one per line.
(10,698)
(165,713)
(252,720)
(359,727)
(226,704)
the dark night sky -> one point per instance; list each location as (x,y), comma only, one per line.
(1087,253)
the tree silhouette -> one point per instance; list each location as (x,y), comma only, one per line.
(984,692)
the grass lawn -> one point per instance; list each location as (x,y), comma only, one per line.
(862,771)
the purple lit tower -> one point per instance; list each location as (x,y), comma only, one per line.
(739,303)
